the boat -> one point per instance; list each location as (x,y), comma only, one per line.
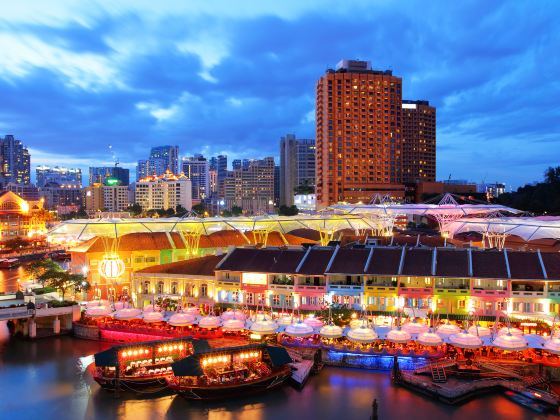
(9,263)
(527,400)
(60,256)
(221,373)
(140,366)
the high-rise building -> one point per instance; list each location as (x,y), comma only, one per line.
(15,160)
(276,185)
(240,164)
(297,167)
(164,192)
(28,192)
(115,198)
(251,188)
(58,175)
(65,195)
(219,164)
(161,160)
(100,174)
(418,141)
(358,133)
(196,169)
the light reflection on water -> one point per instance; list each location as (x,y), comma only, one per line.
(42,380)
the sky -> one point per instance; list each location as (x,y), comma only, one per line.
(232,77)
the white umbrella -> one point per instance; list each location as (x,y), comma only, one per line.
(264,327)
(209,321)
(465,340)
(93,303)
(534,341)
(357,323)
(382,330)
(233,314)
(300,329)
(192,310)
(480,330)
(429,338)
(510,330)
(510,342)
(415,328)
(153,316)
(98,311)
(447,330)
(233,325)
(120,305)
(313,322)
(127,313)
(398,336)
(362,335)
(331,331)
(181,320)
(261,316)
(285,320)
(150,308)
(552,345)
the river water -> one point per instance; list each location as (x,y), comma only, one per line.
(43,380)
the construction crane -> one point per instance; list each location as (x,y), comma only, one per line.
(113,156)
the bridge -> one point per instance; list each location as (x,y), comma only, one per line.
(28,320)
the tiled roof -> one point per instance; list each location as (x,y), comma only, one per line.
(132,242)
(418,262)
(452,263)
(385,261)
(316,261)
(349,261)
(524,265)
(203,266)
(489,264)
(551,262)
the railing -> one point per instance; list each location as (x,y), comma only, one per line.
(416,290)
(528,293)
(482,292)
(452,290)
(345,287)
(12,313)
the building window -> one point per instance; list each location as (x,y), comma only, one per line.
(235,296)
(462,304)
(174,288)
(501,306)
(146,289)
(538,307)
(276,300)
(203,290)
(516,306)
(160,287)
(249,298)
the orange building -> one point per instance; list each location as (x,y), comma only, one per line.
(418,141)
(358,134)
(20,218)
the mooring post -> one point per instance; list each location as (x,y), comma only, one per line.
(374,415)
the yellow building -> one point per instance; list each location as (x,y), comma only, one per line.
(20,218)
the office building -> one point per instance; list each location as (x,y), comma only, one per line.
(219,165)
(115,198)
(251,188)
(297,168)
(28,192)
(161,160)
(65,195)
(58,175)
(15,160)
(418,141)
(164,192)
(100,174)
(358,134)
(276,185)
(196,169)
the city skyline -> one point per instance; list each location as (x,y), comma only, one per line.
(216,88)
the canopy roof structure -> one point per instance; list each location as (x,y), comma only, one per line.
(527,228)
(326,224)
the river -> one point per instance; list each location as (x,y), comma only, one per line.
(43,380)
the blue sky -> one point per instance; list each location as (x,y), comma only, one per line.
(232,77)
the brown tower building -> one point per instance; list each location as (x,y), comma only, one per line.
(358,134)
(418,141)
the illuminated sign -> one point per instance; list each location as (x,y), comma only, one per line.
(254,279)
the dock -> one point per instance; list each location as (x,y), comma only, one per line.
(303,365)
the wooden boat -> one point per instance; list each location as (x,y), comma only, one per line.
(140,366)
(230,372)
(9,263)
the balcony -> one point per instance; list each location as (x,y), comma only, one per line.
(287,287)
(310,288)
(501,293)
(420,291)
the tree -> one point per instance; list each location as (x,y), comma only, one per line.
(236,211)
(284,210)
(16,243)
(39,267)
(199,208)
(552,175)
(180,210)
(170,212)
(135,209)
(62,281)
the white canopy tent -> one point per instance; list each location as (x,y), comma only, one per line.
(527,228)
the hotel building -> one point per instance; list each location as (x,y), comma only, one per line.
(164,192)
(358,134)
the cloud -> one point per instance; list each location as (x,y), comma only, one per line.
(223,77)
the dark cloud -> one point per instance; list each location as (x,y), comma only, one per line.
(490,68)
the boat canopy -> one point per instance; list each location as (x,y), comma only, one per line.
(110,357)
(191,365)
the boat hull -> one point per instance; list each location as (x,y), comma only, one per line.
(219,392)
(152,384)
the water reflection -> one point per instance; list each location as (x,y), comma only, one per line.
(9,279)
(44,379)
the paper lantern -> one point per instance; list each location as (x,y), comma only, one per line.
(111,267)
